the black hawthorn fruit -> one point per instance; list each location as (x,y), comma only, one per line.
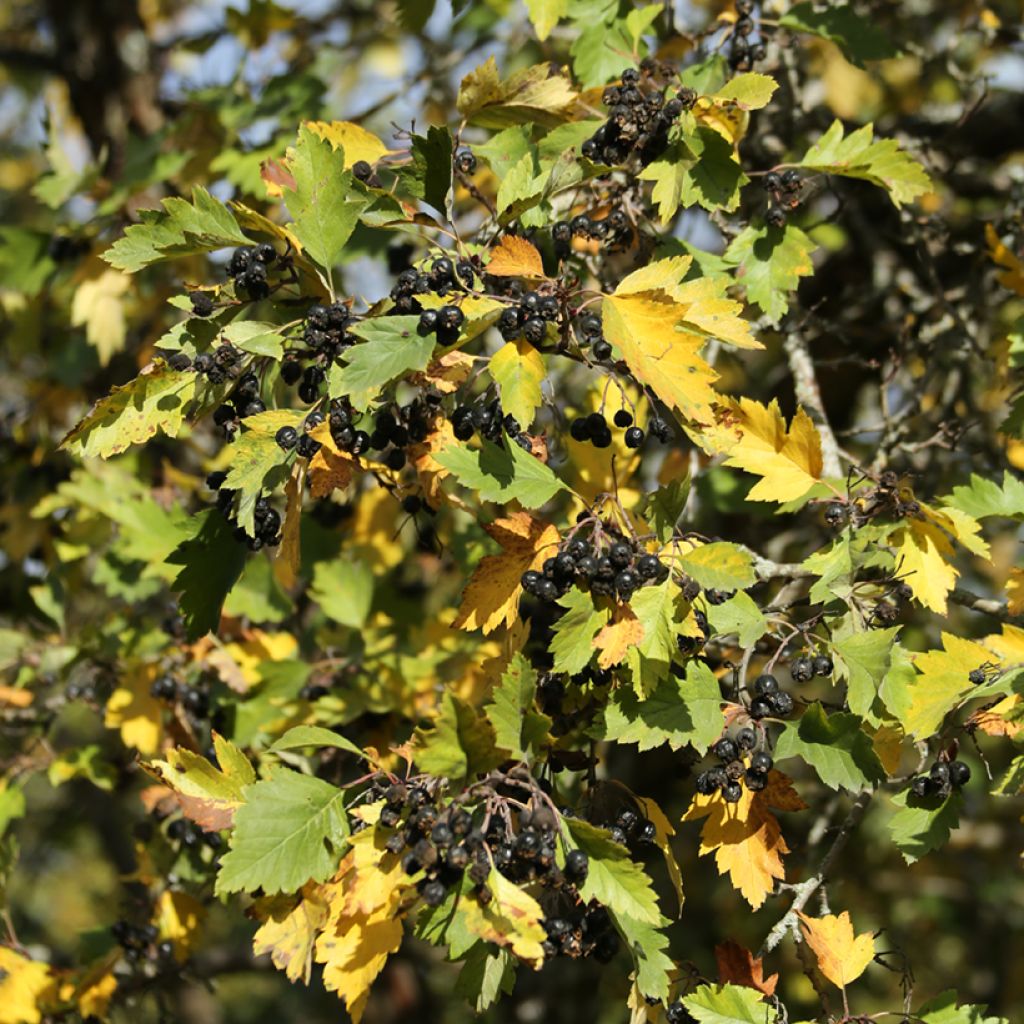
(732,792)
(362,170)
(760,707)
(577,866)
(976,676)
(959,773)
(634,437)
(761,762)
(726,749)
(602,350)
(823,665)
(802,669)
(781,704)
(765,684)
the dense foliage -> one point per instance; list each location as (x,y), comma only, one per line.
(511,511)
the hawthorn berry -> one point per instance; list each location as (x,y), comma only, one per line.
(823,665)
(765,684)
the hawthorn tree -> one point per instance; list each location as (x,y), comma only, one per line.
(532,531)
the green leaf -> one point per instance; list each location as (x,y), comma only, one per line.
(518,727)
(179,229)
(858,155)
(943,1009)
(727,1004)
(302,736)
(518,369)
(719,566)
(981,497)
(156,400)
(459,744)
(834,564)
(834,746)
(258,338)
(648,945)
(291,829)
(923,824)
(739,615)
(1012,781)
(859,38)
(502,474)
(324,205)
(258,463)
(770,262)
(649,660)
(258,595)
(521,188)
(640,19)
(678,712)
(392,348)
(212,561)
(706,76)
(863,661)
(506,149)
(614,877)
(600,53)
(488,971)
(545,15)
(430,177)
(343,587)
(714,180)
(663,508)
(751,90)
(669,174)
(572,644)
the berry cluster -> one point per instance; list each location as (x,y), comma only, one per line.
(743,51)
(677,1013)
(267,519)
(248,267)
(805,668)
(783,196)
(194,699)
(608,563)
(632,829)
(691,645)
(594,428)
(941,780)
(490,420)
(732,773)
(189,835)
(139,942)
(245,401)
(769,700)
(442,278)
(444,322)
(217,367)
(639,118)
(324,336)
(582,929)
(529,318)
(202,303)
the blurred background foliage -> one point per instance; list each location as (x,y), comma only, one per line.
(107,106)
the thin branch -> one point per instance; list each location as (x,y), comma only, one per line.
(808,394)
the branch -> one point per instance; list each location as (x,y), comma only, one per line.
(808,395)
(997,609)
(805,890)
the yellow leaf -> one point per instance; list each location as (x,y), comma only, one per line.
(842,956)
(536,94)
(355,140)
(289,932)
(1013,276)
(289,551)
(429,470)
(258,647)
(95,991)
(373,530)
(745,836)
(179,918)
(1001,719)
(942,682)
(518,369)
(98,306)
(134,712)
(789,461)
(330,468)
(663,834)
(1008,645)
(614,641)
(512,918)
(1015,592)
(26,983)
(515,257)
(491,597)
(922,550)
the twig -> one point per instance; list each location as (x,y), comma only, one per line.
(808,395)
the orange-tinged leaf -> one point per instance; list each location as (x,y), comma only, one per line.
(614,641)
(277,178)
(842,956)
(132,710)
(13,697)
(999,720)
(330,468)
(289,932)
(738,966)
(491,597)
(745,836)
(663,832)
(788,460)
(515,257)
(429,470)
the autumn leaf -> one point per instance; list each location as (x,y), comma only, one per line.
(491,597)
(135,712)
(24,985)
(1015,592)
(788,460)
(515,257)
(745,836)
(289,930)
(842,956)
(1012,276)
(738,966)
(943,680)
(512,919)
(330,468)
(518,369)
(98,306)
(357,143)
(615,639)
(179,917)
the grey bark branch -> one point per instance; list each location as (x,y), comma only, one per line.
(808,394)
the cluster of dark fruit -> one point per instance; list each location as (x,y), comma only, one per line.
(444,322)
(62,248)
(639,119)
(942,779)
(744,52)
(193,699)
(529,318)
(248,267)
(783,196)
(630,828)
(442,278)
(805,668)
(731,774)
(594,428)
(769,700)
(692,645)
(82,691)
(190,835)
(324,336)
(615,230)
(266,518)
(551,688)
(616,568)
(139,941)
(580,930)
(245,401)
(677,1013)
(489,420)
(218,366)
(590,331)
